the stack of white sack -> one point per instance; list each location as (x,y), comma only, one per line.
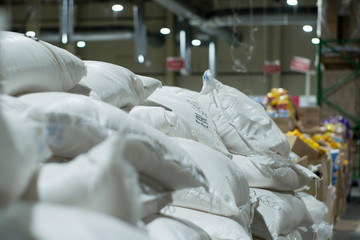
(179,116)
(261,152)
(320,230)
(117,85)
(225,210)
(101,179)
(86,164)
(155,155)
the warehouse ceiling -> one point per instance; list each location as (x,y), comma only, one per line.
(94,19)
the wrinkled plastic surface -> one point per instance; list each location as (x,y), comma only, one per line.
(242,124)
(274,173)
(278,213)
(101,180)
(58,222)
(31,65)
(117,85)
(228,189)
(194,122)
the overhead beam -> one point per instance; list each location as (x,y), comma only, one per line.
(187,12)
(262,17)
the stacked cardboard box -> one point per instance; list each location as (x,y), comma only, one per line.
(309,116)
(285,124)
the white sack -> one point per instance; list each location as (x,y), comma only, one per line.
(159,157)
(188,119)
(273,172)
(278,213)
(22,147)
(317,209)
(151,152)
(218,227)
(74,123)
(67,135)
(117,85)
(167,228)
(101,180)
(58,222)
(228,189)
(243,124)
(31,65)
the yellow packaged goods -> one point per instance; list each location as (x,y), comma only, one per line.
(326,138)
(279,103)
(310,142)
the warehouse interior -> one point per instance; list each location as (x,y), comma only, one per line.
(298,58)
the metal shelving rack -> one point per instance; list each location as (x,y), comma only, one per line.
(321,93)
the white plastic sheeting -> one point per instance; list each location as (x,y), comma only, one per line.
(31,65)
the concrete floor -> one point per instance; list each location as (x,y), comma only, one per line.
(348,226)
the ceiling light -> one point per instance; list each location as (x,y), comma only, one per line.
(307,28)
(315,40)
(165,31)
(141,58)
(81,44)
(64,38)
(117,8)
(30,34)
(196,42)
(292,2)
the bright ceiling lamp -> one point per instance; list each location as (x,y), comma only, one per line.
(165,30)
(64,38)
(141,58)
(315,41)
(117,8)
(81,44)
(307,28)
(30,34)
(292,2)
(196,42)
